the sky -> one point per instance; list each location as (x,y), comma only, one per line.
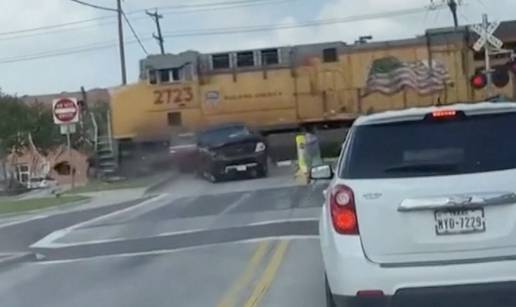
(29,63)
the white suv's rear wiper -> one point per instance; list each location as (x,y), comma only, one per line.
(429,167)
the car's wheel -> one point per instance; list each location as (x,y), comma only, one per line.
(263,171)
(211,177)
(214,178)
(330,302)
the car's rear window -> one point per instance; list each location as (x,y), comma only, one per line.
(183,140)
(224,134)
(462,145)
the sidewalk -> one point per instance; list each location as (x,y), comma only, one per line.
(97,199)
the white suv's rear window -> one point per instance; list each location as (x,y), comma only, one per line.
(458,145)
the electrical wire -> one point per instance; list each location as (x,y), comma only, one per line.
(214,4)
(482,3)
(171,9)
(135,34)
(220,8)
(95,6)
(35,29)
(216,31)
(321,22)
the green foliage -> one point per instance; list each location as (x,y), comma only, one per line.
(8,205)
(18,120)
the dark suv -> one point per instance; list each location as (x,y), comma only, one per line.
(231,149)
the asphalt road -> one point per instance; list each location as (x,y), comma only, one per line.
(240,243)
(17,236)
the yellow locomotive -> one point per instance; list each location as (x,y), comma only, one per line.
(289,87)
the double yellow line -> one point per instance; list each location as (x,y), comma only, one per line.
(231,297)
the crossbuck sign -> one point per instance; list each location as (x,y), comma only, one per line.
(486,32)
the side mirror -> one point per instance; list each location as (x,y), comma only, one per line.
(323,172)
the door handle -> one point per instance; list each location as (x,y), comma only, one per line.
(458,201)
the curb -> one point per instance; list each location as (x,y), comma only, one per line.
(16,258)
(46,210)
(160,183)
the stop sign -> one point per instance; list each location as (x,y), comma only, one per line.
(66,111)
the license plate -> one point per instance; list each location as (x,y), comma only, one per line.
(459,221)
(241,168)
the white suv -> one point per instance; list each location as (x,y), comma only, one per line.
(422,209)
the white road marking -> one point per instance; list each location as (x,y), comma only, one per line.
(48,241)
(242,199)
(172,251)
(112,214)
(23,220)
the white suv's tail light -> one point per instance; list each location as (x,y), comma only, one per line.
(342,209)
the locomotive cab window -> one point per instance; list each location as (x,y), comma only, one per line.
(330,55)
(245,59)
(270,57)
(169,75)
(220,61)
(153,77)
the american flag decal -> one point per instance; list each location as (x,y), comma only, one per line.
(390,76)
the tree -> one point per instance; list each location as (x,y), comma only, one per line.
(18,120)
(45,134)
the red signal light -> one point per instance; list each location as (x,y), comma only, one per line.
(512,66)
(479,81)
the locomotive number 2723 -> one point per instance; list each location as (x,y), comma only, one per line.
(173,95)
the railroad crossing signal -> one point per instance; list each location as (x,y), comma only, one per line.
(486,33)
(489,42)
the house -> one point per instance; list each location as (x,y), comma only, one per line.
(63,166)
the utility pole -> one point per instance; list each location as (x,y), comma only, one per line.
(121,41)
(487,49)
(452,4)
(158,37)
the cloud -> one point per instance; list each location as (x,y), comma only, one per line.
(102,68)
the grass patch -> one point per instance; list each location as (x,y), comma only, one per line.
(98,185)
(18,206)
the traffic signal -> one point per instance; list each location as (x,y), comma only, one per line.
(479,81)
(512,66)
(501,77)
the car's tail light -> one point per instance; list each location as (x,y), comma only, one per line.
(370,293)
(343,212)
(444,113)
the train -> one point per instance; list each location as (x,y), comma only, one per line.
(310,85)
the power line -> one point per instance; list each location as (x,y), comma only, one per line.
(206,7)
(53,26)
(482,3)
(40,31)
(172,10)
(321,22)
(220,31)
(135,34)
(95,6)
(216,4)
